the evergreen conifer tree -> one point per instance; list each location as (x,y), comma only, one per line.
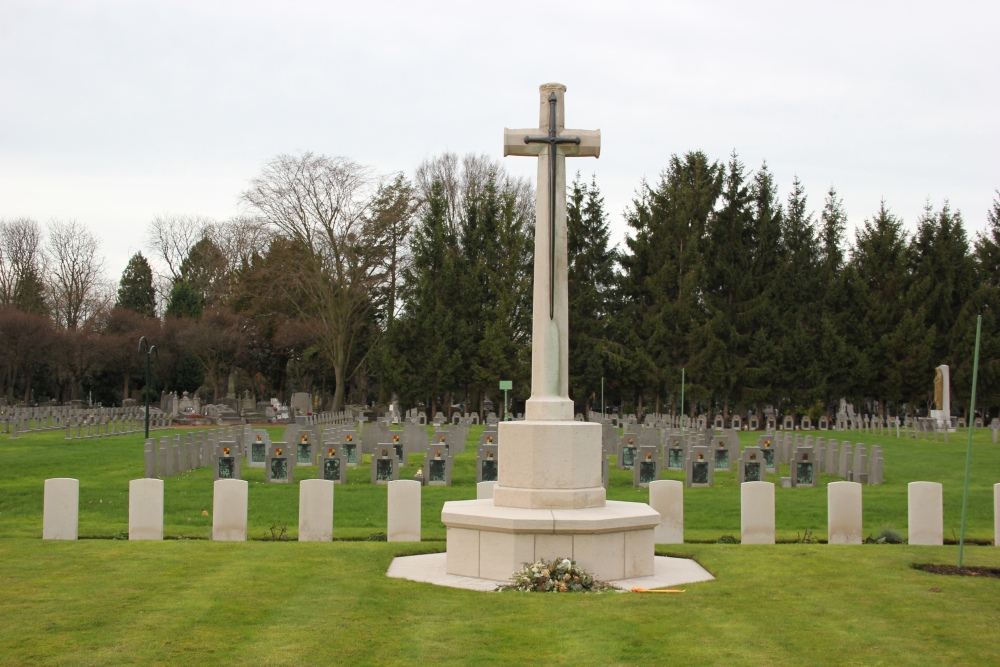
(135,290)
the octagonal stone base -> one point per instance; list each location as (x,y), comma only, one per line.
(492,542)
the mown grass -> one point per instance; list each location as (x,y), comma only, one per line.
(105,466)
(193,601)
(198,602)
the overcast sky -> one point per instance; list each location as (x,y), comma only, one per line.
(114,112)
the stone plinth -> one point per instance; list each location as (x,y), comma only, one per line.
(492,542)
(549,465)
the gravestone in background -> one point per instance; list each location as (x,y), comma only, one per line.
(646,468)
(626,452)
(437,467)
(700,468)
(228,463)
(768,451)
(351,448)
(257,454)
(331,465)
(804,471)
(280,465)
(752,467)
(487,463)
(385,466)
(303,451)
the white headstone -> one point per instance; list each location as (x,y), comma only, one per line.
(757,512)
(996,515)
(404,511)
(316,510)
(145,509)
(229,510)
(843,500)
(666,496)
(926,513)
(61,509)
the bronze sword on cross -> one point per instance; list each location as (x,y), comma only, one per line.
(550,143)
(553,140)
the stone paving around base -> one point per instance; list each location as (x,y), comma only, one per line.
(430,568)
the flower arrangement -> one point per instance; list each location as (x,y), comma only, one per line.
(560,575)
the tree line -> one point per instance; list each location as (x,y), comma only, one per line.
(363,287)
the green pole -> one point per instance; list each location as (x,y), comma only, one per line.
(149,353)
(968,447)
(682,401)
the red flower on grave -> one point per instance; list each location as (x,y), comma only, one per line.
(395,438)
(277,452)
(225,451)
(349,438)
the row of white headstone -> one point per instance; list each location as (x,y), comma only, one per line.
(925,512)
(60,515)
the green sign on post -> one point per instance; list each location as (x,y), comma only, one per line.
(505,386)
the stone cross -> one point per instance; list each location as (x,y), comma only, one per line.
(551,143)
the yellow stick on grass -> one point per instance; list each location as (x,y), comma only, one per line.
(662,590)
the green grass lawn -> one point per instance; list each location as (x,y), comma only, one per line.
(193,601)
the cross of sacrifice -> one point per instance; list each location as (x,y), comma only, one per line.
(551,143)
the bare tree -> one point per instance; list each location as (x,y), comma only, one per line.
(322,205)
(170,239)
(76,282)
(21,264)
(240,239)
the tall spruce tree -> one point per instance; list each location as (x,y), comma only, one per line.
(135,290)
(878,282)
(663,273)
(943,274)
(760,337)
(728,289)
(422,338)
(801,376)
(835,358)
(591,273)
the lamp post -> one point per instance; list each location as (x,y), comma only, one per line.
(150,349)
(506,385)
